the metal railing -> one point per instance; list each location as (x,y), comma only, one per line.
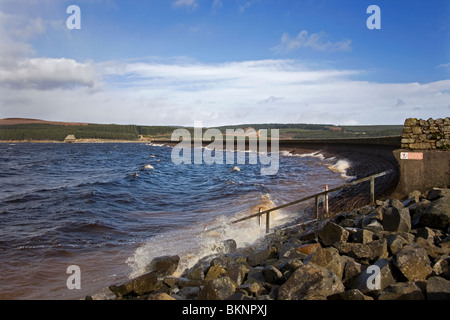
(316,197)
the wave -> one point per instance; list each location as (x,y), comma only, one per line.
(341,166)
(200,240)
(152,144)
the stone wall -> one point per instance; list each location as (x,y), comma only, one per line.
(426,134)
(430,139)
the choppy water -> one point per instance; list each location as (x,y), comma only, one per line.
(102,208)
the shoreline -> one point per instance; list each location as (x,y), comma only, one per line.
(330,259)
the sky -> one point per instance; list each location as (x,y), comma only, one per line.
(225,62)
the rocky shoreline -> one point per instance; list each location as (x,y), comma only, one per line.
(395,250)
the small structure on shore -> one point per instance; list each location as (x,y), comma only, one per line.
(70,139)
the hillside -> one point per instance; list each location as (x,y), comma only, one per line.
(20,129)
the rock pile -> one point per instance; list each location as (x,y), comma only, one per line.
(394,250)
(426,134)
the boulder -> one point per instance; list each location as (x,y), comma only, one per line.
(442,267)
(255,275)
(375,215)
(395,242)
(437,215)
(402,291)
(426,233)
(229,260)
(308,248)
(214,272)
(141,285)
(436,193)
(413,262)
(375,226)
(272,274)
(396,217)
(416,210)
(226,246)
(237,273)
(328,258)
(365,252)
(362,236)
(351,270)
(260,256)
(310,282)
(432,251)
(438,288)
(353,294)
(217,289)
(163,266)
(197,272)
(366,280)
(161,296)
(330,233)
(252,289)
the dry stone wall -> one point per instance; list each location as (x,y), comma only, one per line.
(426,134)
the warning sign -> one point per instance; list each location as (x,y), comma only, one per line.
(411,155)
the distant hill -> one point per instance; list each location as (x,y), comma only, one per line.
(21,129)
(13,121)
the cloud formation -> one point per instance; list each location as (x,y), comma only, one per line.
(185,3)
(316,41)
(47,73)
(180,92)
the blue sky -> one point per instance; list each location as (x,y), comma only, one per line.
(225,61)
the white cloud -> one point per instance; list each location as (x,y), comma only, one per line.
(47,73)
(180,92)
(316,41)
(247,4)
(444,65)
(185,3)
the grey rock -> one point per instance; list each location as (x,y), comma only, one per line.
(328,258)
(330,233)
(141,285)
(217,289)
(442,267)
(397,218)
(260,256)
(438,288)
(437,215)
(163,266)
(351,270)
(310,282)
(402,291)
(395,242)
(272,274)
(226,246)
(353,294)
(436,193)
(366,279)
(375,226)
(413,262)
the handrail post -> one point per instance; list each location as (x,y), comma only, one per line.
(372,191)
(259,217)
(268,222)
(326,200)
(317,207)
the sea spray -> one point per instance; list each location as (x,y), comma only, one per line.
(341,166)
(203,240)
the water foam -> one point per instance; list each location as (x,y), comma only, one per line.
(199,241)
(341,167)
